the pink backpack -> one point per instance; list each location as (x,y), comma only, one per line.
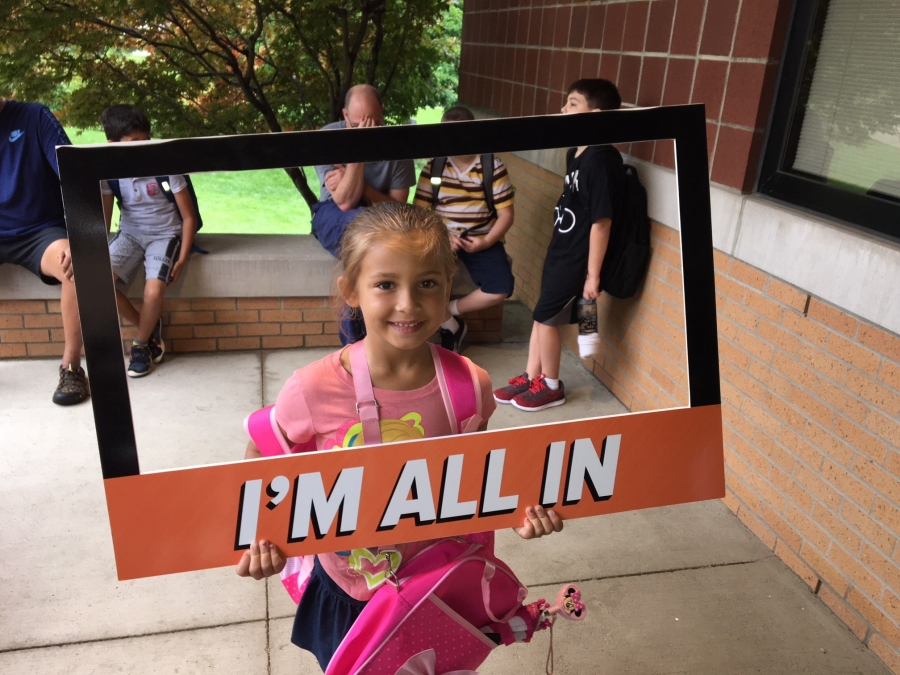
(444,613)
(439,600)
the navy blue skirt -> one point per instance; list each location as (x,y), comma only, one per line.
(325,615)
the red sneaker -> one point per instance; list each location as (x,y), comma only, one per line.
(519,384)
(540,396)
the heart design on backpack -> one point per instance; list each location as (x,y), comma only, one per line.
(374,566)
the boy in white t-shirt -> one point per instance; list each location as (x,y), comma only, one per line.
(152,230)
(477,223)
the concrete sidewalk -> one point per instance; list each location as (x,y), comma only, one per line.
(684,589)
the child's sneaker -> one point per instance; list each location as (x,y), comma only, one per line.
(156,344)
(140,361)
(451,340)
(539,396)
(516,386)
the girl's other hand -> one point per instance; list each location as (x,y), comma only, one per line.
(539,523)
(261,561)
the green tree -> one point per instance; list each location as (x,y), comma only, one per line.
(208,67)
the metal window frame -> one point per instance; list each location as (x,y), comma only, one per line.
(868,212)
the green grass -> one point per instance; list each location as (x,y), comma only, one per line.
(429,115)
(251,202)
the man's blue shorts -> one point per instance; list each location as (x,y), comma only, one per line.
(329,223)
(490,269)
(28,250)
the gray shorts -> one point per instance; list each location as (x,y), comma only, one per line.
(128,250)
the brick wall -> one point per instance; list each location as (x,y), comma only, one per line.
(811,399)
(537,191)
(519,60)
(642,357)
(31,328)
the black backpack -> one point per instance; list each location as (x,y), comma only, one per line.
(167,191)
(628,252)
(487,168)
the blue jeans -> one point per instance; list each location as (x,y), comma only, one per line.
(329,223)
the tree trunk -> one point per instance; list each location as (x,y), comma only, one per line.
(300,182)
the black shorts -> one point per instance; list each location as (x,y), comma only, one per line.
(28,250)
(558,303)
(490,269)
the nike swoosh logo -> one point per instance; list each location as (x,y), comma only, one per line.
(16,135)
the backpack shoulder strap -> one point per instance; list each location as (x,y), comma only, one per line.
(193,195)
(460,386)
(166,187)
(116,188)
(437,170)
(487,169)
(366,405)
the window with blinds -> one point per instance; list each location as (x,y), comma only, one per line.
(847,132)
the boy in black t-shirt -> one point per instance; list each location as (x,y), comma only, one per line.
(590,202)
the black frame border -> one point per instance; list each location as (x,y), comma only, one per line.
(82,167)
(864,211)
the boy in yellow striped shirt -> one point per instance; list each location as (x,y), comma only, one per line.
(477,223)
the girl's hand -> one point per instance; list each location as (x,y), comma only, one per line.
(539,523)
(261,561)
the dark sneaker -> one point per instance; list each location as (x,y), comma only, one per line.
(451,340)
(516,386)
(156,344)
(140,361)
(73,386)
(540,396)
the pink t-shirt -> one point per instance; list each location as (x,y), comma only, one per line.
(318,403)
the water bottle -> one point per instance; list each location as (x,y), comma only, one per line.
(588,337)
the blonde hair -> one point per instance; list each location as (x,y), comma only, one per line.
(408,228)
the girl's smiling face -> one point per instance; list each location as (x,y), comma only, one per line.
(402,295)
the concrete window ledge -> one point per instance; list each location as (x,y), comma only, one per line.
(250,292)
(237,266)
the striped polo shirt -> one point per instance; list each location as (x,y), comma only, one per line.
(461,201)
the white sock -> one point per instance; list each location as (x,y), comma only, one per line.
(450,324)
(454,310)
(551,383)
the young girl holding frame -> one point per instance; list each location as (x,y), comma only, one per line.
(398,268)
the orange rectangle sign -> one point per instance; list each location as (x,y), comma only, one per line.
(191,519)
